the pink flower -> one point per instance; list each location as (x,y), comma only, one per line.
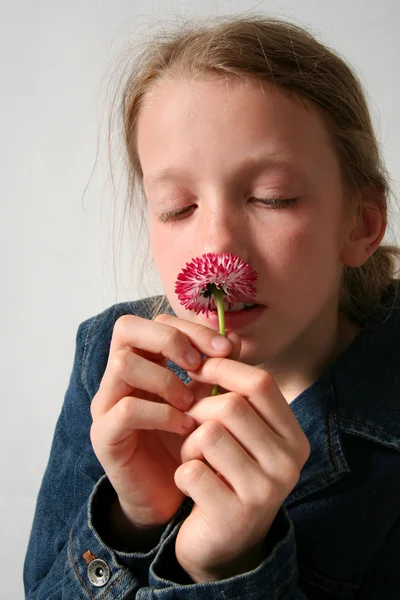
(198,281)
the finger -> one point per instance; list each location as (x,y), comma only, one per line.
(236,345)
(159,341)
(211,441)
(235,416)
(204,389)
(206,340)
(132,414)
(207,490)
(167,336)
(153,340)
(254,384)
(128,370)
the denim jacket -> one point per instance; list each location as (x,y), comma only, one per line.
(336,536)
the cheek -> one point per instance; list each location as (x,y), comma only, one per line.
(303,249)
(170,256)
(163,253)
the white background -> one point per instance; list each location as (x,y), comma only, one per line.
(56,248)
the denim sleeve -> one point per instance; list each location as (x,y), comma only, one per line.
(275,578)
(63,539)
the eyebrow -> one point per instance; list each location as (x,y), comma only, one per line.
(251,165)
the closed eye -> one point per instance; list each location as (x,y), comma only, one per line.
(175,214)
(275,202)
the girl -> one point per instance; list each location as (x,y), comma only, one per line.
(250,137)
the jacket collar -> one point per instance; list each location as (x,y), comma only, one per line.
(357,395)
(316,411)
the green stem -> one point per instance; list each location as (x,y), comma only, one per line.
(219,300)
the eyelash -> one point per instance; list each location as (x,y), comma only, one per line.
(174,214)
(273,203)
(276,202)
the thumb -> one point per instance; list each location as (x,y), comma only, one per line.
(202,390)
(236,345)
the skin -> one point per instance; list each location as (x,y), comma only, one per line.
(205,130)
(238,455)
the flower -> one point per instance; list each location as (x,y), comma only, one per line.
(198,283)
(208,280)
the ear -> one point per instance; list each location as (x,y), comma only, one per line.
(366,230)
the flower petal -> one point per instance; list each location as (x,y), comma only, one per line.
(194,285)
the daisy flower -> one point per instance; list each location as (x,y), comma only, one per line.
(203,277)
(208,280)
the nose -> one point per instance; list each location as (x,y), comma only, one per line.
(223,227)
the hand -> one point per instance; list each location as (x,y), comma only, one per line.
(139,411)
(254,443)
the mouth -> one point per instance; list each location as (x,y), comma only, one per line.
(238,306)
(239,316)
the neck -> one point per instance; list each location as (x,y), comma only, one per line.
(306,360)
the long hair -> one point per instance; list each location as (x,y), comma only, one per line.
(287,55)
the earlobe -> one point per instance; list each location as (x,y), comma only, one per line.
(365,235)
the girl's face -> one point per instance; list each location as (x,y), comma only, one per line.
(230,166)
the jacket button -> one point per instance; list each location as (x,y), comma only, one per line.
(98,572)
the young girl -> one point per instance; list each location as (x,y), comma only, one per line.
(253,138)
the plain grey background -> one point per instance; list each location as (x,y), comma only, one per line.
(56,249)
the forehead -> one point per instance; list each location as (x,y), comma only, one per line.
(209,90)
(189,119)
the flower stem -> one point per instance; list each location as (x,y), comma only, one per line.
(219,300)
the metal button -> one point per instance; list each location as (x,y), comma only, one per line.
(98,572)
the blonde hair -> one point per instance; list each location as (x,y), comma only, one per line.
(287,55)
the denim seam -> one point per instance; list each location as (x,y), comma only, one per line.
(81,580)
(321,587)
(93,326)
(378,429)
(331,415)
(310,483)
(75,568)
(284,583)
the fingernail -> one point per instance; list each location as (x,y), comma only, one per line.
(188,422)
(192,356)
(188,397)
(221,343)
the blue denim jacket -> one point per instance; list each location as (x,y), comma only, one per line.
(337,535)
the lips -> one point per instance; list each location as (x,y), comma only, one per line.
(239,306)
(236,320)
